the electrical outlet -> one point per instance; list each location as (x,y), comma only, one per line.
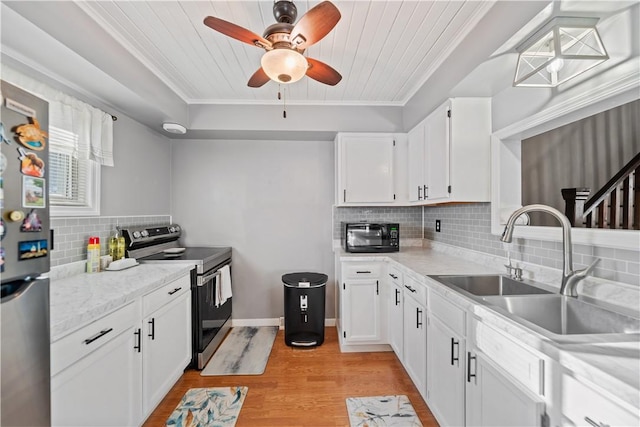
(437,225)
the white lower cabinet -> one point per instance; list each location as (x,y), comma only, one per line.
(415,334)
(493,399)
(102,388)
(114,371)
(583,405)
(167,349)
(395,307)
(446,369)
(360,308)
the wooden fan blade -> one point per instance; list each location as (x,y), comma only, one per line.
(258,79)
(236,32)
(314,25)
(322,72)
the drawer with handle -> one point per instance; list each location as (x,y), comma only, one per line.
(415,290)
(167,293)
(395,275)
(361,270)
(78,344)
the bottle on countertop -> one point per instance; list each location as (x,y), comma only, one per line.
(93,255)
(116,246)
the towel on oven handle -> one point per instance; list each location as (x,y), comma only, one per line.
(224,286)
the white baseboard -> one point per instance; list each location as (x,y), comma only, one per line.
(270,322)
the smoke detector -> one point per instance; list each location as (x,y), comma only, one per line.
(174,128)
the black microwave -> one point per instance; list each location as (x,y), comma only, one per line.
(371,237)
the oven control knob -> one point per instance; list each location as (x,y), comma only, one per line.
(144,233)
(136,234)
(172,229)
(177,228)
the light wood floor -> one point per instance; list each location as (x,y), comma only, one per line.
(306,387)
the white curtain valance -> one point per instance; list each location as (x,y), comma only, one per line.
(93,127)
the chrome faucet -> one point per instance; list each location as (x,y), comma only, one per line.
(570,278)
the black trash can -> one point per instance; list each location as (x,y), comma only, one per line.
(304,295)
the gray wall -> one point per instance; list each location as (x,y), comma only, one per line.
(140,181)
(269,200)
(583,154)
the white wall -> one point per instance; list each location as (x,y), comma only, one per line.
(269,200)
(140,181)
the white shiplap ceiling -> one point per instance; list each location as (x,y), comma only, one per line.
(385,50)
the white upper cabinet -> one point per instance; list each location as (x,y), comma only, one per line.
(449,156)
(365,168)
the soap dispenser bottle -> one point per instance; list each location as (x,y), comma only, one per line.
(116,246)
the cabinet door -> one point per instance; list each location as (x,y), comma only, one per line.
(367,168)
(445,370)
(396,320)
(493,399)
(415,343)
(101,389)
(166,349)
(362,310)
(416,172)
(437,143)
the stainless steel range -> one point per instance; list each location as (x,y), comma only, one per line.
(160,244)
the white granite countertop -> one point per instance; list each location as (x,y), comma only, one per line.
(77,300)
(614,366)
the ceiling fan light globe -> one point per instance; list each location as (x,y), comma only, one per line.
(284,65)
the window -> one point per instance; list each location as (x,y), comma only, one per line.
(73,183)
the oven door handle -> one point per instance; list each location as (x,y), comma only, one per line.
(208,277)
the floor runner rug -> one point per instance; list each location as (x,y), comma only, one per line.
(208,407)
(382,411)
(244,351)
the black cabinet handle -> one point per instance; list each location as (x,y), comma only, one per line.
(425,192)
(174,291)
(456,357)
(344,195)
(393,276)
(138,334)
(363,272)
(377,288)
(419,195)
(469,359)
(98,335)
(418,318)
(152,334)
(410,288)
(594,423)
(397,296)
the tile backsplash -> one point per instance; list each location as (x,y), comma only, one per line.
(469,226)
(71,234)
(409,218)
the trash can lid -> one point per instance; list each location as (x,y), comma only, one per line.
(304,279)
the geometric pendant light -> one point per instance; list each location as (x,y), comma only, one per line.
(560,50)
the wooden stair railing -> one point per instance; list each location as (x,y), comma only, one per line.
(617,203)
(574,200)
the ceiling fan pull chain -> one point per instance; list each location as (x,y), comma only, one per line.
(284,104)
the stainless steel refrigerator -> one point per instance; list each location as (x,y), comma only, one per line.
(24,257)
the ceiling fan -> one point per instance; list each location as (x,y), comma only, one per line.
(285,43)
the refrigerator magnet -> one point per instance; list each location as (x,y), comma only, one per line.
(31,136)
(32,249)
(33,192)
(31,222)
(3,136)
(19,108)
(3,162)
(30,163)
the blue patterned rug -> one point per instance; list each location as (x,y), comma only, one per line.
(382,411)
(208,407)
(245,351)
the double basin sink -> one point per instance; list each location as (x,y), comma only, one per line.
(531,302)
